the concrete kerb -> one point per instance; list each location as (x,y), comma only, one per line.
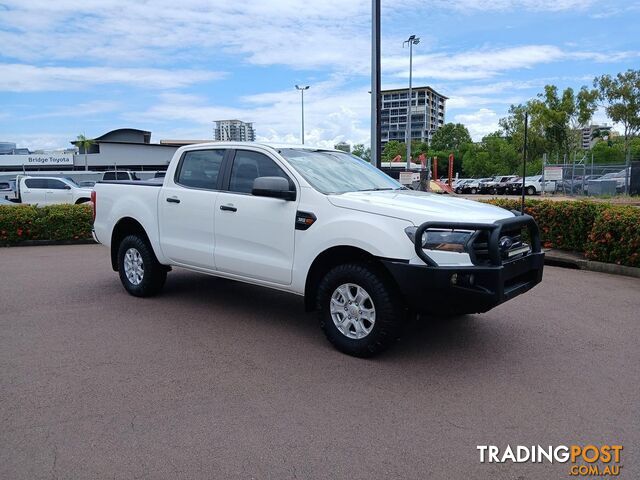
(560,258)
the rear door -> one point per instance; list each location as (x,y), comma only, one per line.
(254,235)
(186,208)
(34,190)
(57,192)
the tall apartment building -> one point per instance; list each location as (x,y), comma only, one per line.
(590,134)
(234,130)
(427,114)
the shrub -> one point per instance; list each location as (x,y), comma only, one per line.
(615,237)
(20,223)
(601,231)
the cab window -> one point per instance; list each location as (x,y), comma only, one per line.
(55,184)
(35,183)
(200,169)
(247,166)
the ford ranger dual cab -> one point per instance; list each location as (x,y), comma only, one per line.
(361,249)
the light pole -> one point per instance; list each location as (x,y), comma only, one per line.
(375,83)
(412,40)
(302,89)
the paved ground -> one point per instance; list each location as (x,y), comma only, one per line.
(215,379)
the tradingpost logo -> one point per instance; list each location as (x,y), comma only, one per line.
(584,460)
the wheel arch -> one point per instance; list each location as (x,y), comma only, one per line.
(330,258)
(124,227)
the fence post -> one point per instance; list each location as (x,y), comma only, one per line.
(627,169)
(544,164)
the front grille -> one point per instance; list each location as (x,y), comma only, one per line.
(514,246)
(511,244)
(480,248)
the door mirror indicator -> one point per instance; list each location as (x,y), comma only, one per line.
(275,187)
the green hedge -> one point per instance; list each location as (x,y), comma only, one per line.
(20,223)
(601,231)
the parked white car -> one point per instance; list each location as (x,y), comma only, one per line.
(532,185)
(51,190)
(358,246)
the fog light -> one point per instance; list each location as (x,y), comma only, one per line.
(454,279)
(471,279)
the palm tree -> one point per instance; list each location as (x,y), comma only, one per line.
(85,143)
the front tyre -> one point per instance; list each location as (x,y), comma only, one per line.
(140,272)
(360,311)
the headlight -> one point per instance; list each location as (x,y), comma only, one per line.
(448,240)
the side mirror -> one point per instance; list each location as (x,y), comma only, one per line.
(67,187)
(275,187)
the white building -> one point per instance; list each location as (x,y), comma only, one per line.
(427,114)
(234,131)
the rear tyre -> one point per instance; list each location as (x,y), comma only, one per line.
(140,272)
(360,311)
(474,190)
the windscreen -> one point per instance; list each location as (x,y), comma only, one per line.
(336,172)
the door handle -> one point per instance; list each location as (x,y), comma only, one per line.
(228,208)
(173,200)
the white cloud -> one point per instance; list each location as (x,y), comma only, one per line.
(333,113)
(479,123)
(31,78)
(95,107)
(485,63)
(501,5)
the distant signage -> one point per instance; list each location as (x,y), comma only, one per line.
(37,160)
(553,173)
(407,178)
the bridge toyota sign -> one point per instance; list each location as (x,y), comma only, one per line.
(37,160)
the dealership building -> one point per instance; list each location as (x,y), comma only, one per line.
(121,149)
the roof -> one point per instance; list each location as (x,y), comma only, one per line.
(122,135)
(272,145)
(414,88)
(118,131)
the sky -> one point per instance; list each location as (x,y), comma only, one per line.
(173,67)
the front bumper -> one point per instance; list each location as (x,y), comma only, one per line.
(431,288)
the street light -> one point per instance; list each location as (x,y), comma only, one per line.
(412,40)
(302,89)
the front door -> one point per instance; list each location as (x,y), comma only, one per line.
(58,192)
(254,235)
(186,209)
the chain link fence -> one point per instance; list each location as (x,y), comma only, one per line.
(582,176)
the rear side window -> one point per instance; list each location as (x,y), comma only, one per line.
(247,166)
(200,169)
(36,183)
(123,176)
(109,176)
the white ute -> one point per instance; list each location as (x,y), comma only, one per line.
(362,250)
(50,191)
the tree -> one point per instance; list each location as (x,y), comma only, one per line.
(360,151)
(561,117)
(84,144)
(392,149)
(450,137)
(621,96)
